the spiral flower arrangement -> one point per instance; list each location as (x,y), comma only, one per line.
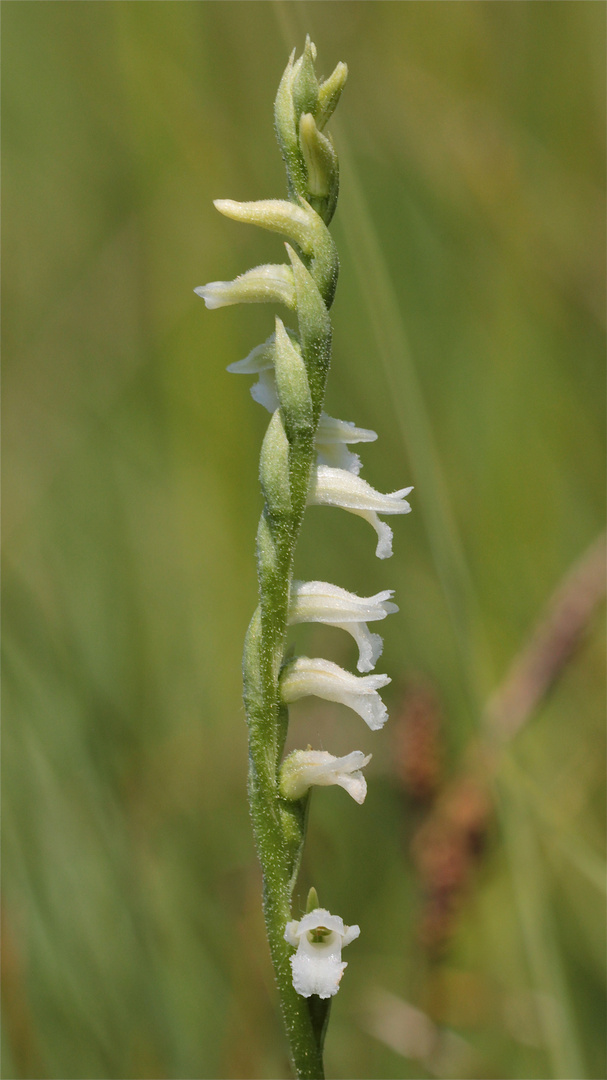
(305,461)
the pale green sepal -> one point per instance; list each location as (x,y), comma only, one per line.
(274,468)
(312,903)
(267,554)
(284,110)
(252,670)
(322,165)
(292,385)
(262,284)
(304,87)
(329,94)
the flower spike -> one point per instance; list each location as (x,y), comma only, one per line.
(305,768)
(305,459)
(304,677)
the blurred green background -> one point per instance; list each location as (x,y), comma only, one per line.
(469,326)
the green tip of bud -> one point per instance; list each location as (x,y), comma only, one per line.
(312,903)
(305,83)
(329,93)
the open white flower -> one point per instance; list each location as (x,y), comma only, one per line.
(337,487)
(317,965)
(319,601)
(321,678)
(306,768)
(269,283)
(332,438)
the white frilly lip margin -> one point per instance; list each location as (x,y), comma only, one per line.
(337,487)
(303,677)
(319,601)
(317,965)
(306,768)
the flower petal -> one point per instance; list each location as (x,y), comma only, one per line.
(332,437)
(264,391)
(331,430)
(259,359)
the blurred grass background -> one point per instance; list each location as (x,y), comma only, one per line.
(469,327)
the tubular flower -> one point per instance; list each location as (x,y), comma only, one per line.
(304,677)
(263,284)
(305,768)
(317,965)
(337,487)
(319,601)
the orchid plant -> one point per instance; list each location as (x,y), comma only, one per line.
(305,460)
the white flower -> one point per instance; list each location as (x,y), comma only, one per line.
(336,487)
(304,768)
(319,601)
(317,965)
(273,283)
(332,437)
(304,677)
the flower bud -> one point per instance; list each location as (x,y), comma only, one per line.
(304,86)
(329,93)
(322,165)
